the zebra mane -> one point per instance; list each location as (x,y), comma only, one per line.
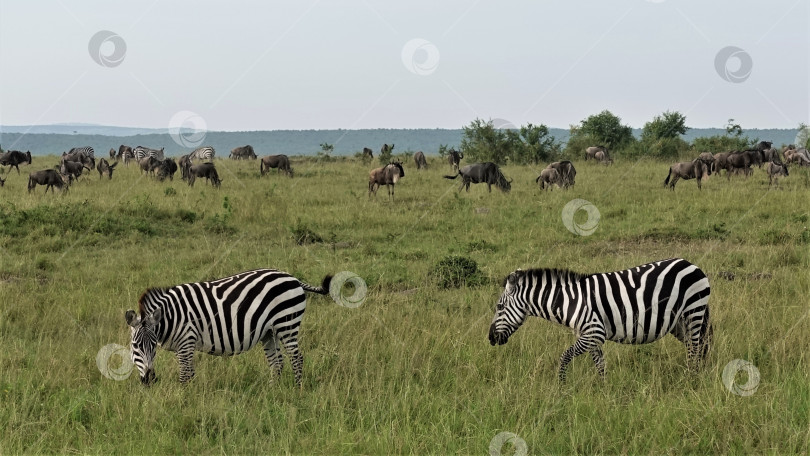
(538,273)
(149,296)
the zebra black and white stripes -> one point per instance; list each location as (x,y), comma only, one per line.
(205,153)
(88,151)
(634,306)
(222,317)
(141,152)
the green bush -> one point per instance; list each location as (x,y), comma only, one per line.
(455,271)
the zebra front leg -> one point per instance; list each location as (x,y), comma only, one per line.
(185,356)
(297,361)
(585,343)
(272,351)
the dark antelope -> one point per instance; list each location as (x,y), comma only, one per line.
(487,173)
(13,158)
(49,178)
(282,162)
(388,175)
(420,160)
(104,167)
(694,169)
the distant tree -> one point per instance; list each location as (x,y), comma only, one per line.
(803,138)
(732,140)
(482,141)
(670,124)
(607,129)
(603,129)
(325,154)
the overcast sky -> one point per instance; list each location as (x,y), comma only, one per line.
(417,64)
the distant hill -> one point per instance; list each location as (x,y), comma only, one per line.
(55,139)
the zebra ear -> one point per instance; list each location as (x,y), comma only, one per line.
(154,318)
(512,279)
(132,318)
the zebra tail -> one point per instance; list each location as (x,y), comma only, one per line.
(323,289)
(452,177)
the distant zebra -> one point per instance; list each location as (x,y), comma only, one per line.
(140,152)
(88,151)
(222,317)
(205,153)
(635,306)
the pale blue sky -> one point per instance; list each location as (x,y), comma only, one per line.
(339,64)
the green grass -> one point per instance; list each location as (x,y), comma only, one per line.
(411,370)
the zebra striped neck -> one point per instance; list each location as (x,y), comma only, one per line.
(151,300)
(554,294)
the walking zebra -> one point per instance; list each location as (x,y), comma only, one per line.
(222,317)
(88,151)
(635,306)
(205,153)
(141,152)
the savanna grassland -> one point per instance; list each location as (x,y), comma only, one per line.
(411,369)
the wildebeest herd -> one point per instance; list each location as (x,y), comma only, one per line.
(153,163)
(739,162)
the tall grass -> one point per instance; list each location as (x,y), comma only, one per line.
(411,369)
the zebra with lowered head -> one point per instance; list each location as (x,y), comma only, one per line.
(634,306)
(205,153)
(222,317)
(140,152)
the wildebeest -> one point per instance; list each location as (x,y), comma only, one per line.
(755,156)
(72,168)
(454,158)
(79,156)
(125,154)
(386,149)
(206,170)
(547,178)
(367,153)
(590,152)
(149,165)
(488,173)
(740,160)
(800,156)
(243,153)
(694,169)
(167,168)
(13,158)
(771,155)
(49,178)
(282,162)
(708,159)
(419,158)
(388,175)
(184,164)
(566,172)
(112,153)
(762,146)
(602,157)
(774,171)
(104,167)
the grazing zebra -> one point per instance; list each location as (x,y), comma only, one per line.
(88,151)
(635,306)
(222,317)
(205,153)
(140,152)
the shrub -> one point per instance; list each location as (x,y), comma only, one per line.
(455,271)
